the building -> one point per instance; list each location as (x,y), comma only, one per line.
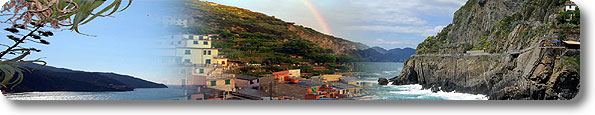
(203,93)
(572,44)
(225,82)
(352,81)
(247,82)
(570,6)
(176,21)
(253,94)
(286,76)
(193,54)
(343,90)
(295,73)
(328,78)
(299,90)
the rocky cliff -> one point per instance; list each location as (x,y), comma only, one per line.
(519,59)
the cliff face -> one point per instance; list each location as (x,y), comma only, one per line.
(517,64)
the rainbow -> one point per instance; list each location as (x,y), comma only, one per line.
(318,17)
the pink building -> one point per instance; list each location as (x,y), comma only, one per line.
(249,82)
(198,80)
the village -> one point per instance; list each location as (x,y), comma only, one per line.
(204,74)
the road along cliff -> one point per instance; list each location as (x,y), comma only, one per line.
(504,49)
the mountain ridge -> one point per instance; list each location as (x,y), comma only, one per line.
(48,78)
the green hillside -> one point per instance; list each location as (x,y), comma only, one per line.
(256,38)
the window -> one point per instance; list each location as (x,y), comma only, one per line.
(204,52)
(200,38)
(179,42)
(205,43)
(208,61)
(251,82)
(201,71)
(195,42)
(187,60)
(257,80)
(209,52)
(191,37)
(187,52)
(227,82)
(183,70)
(213,83)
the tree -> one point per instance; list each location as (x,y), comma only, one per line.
(30,17)
(299,47)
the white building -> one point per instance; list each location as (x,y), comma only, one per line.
(170,20)
(570,6)
(195,59)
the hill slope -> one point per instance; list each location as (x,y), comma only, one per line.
(47,78)
(211,18)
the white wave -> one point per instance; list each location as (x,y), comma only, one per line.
(426,93)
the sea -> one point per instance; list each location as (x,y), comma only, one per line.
(373,71)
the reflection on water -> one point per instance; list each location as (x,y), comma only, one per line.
(172,93)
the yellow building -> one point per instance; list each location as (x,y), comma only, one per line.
(224,82)
(194,54)
(328,78)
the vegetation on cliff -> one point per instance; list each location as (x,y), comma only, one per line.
(528,27)
(256,38)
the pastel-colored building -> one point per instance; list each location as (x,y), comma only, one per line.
(299,90)
(292,76)
(295,73)
(204,93)
(328,78)
(177,21)
(352,81)
(343,90)
(570,6)
(247,82)
(224,82)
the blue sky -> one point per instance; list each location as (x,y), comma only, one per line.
(385,23)
(124,43)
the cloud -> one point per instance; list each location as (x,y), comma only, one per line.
(406,43)
(403,12)
(417,30)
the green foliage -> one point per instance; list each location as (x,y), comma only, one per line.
(61,13)
(324,58)
(299,47)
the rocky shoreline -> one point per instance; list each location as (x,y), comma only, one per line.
(515,63)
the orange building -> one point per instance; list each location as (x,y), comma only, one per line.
(284,76)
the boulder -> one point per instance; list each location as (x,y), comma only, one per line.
(382,81)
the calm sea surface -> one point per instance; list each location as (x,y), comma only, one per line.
(172,93)
(373,72)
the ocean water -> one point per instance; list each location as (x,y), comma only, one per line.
(376,70)
(373,71)
(172,93)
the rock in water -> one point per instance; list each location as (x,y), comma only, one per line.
(382,81)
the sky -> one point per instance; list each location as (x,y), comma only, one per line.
(384,23)
(124,44)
